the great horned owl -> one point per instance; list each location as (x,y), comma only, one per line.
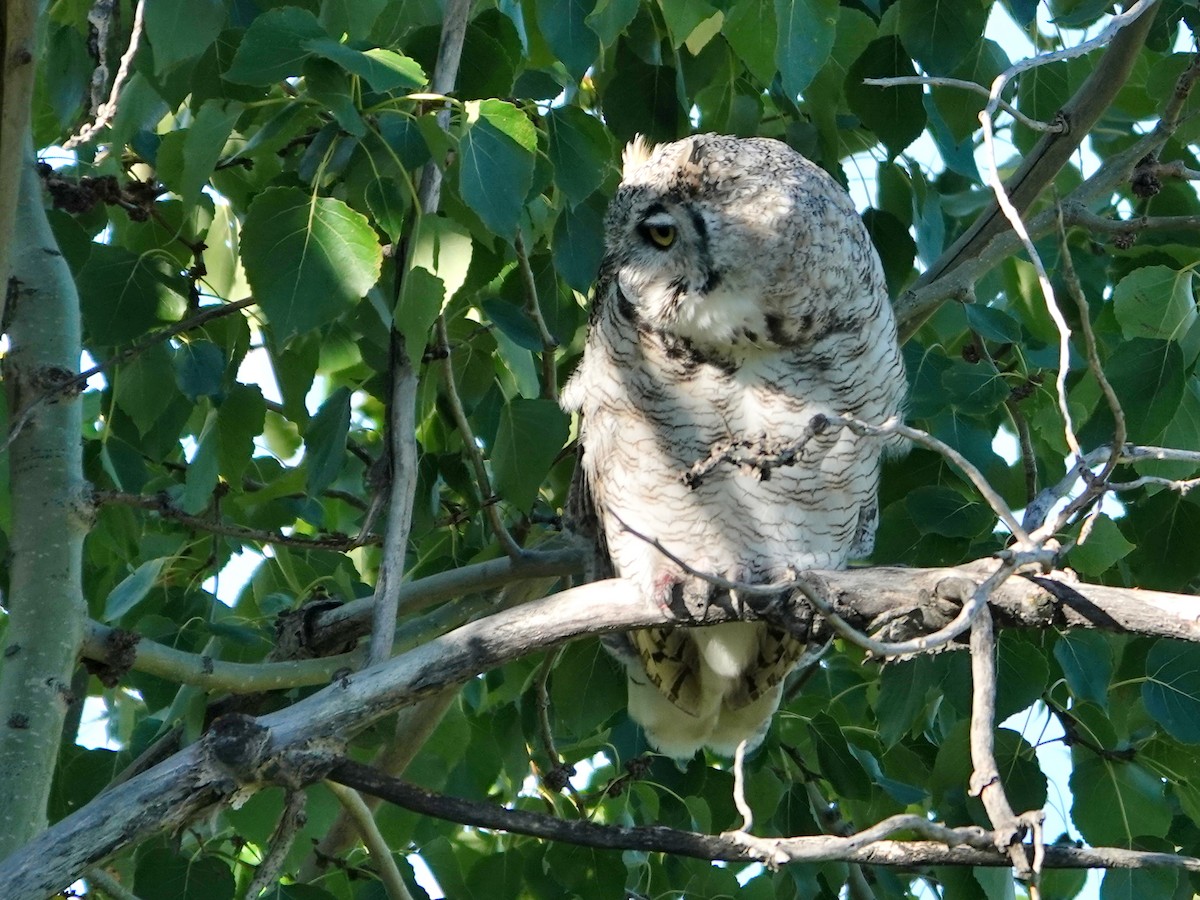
(739,297)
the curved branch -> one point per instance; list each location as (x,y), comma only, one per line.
(960,846)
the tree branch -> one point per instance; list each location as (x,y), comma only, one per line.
(184,787)
(18,44)
(961,846)
(51,506)
(161,504)
(942,279)
(106,111)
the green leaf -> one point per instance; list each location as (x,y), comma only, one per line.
(513,321)
(1155,302)
(383,70)
(838,764)
(1085,658)
(991,323)
(751,31)
(1148,377)
(132,589)
(894,244)
(325,441)
(974,389)
(579,244)
(806,29)
(275,46)
(895,114)
(204,469)
(240,419)
(1105,545)
(941,510)
(641,99)
(496,158)
(530,435)
(163,874)
(941,35)
(587,689)
(307,258)
(444,249)
(1163,530)
(199,369)
(182,29)
(1138,884)
(683,17)
(1171,691)
(123,295)
(389,205)
(138,386)
(580,151)
(1115,802)
(564,26)
(329,85)
(424,297)
(186,158)
(902,690)
(610,18)
(1022,673)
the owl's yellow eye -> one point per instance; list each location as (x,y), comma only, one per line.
(661,235)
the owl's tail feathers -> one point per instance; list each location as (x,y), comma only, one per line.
(679,735)
(746,723)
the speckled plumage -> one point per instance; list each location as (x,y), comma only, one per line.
(766,307)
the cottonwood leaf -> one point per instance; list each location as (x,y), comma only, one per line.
(307,258)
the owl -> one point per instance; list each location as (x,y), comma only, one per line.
(739,297)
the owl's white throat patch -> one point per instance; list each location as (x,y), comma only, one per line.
(720,317)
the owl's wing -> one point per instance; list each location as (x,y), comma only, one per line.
(669,660)
(583,520)
(778,653)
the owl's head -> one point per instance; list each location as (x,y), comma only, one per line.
(718,239)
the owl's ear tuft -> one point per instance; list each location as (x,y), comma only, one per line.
(635,154)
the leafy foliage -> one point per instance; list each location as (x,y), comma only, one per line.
(273,151)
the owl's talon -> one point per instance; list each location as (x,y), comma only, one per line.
(668,593)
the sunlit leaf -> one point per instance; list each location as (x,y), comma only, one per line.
(307,258)
(496,163)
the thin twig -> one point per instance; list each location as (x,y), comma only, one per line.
(814,592)
(559,776)
(1018,225)
(489,500)
(534,310)
(161,505)
(739,788)
(401,488)
(972,604)
(1095,487)
(77,382)
(1028,454)
(1115,24)
(985,780)
(108,110)
(986,241)
(938,81)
